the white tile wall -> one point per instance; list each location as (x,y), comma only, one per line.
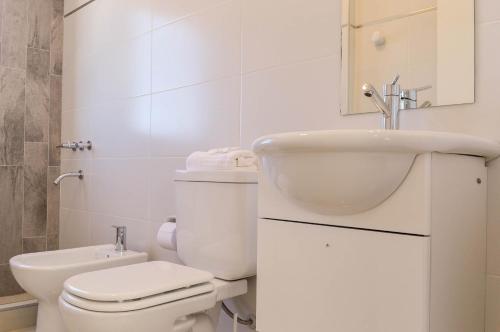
(151,80)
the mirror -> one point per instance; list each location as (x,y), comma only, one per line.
(429,43)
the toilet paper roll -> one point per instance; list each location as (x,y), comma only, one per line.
(167,236)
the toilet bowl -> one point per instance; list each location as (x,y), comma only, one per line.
(152,296)
(215,239)
(42,275)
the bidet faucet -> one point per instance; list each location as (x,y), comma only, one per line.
(121,238)
(78,174)
(388,105)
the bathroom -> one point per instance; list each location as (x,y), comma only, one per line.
(125,90)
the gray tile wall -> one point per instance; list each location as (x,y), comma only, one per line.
(31,34)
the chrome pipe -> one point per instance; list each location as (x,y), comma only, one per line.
(78,174)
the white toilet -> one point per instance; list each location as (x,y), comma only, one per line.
(216,239)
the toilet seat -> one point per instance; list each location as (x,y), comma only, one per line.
(136,287)
(153,296)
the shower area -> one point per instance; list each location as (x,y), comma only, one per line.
(31,36)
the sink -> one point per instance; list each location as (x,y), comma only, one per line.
(342,172)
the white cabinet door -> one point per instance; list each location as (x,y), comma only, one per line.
(314,278)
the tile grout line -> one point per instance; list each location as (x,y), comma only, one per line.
(24,128)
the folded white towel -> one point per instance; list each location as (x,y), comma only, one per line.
(230,158)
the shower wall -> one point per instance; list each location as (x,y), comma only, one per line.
(31,34)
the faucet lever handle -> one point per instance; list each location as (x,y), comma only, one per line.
(396,79)
(121,238)
(119,228)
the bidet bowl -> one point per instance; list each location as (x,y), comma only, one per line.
(43,274)
(343,172)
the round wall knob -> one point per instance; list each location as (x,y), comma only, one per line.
(378,39)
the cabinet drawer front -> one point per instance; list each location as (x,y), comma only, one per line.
(322,278)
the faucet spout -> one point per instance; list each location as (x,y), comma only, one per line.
(121,238)
(78,174)
(370,92)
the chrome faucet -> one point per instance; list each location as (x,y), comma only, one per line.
(370,92)
(388,104)
(121,238)
(78,174)
(409,98)
(75,145)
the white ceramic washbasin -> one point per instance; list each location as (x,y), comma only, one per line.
(341,172)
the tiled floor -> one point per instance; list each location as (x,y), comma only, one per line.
(15,298)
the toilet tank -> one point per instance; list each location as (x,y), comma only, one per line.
(217,221)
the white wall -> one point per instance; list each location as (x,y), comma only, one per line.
(151,80)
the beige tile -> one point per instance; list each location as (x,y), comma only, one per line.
(119,187)
(34,244)
(53,201)
(12,107)
(37,96)
(55,120)
(16,298)
(282,32)
(23,319)
(203,47)
(8,286)
(493,304)
(14,37)
(56,37)
(35,190)
(52,241)
(39,23)
(11,212)
(27,329)
(275,100)
(194,118)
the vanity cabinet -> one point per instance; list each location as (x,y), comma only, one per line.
(321,278)
(415,263)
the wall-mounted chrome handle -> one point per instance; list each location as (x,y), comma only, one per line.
(85,145)
(75,145)
(121,238)
(396,79)
(68,145)
(409,97)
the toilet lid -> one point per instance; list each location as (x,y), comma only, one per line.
(203,294)
(138,281)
